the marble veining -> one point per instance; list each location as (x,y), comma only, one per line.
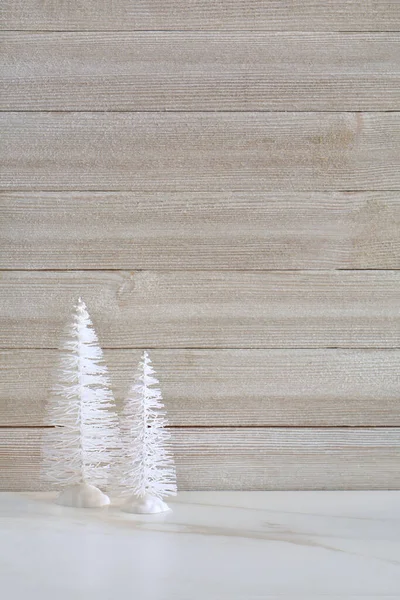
(213,545)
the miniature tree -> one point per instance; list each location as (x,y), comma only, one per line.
(146,469)
(78,450)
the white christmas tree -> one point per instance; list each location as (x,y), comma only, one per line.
(146,467)
(78,450)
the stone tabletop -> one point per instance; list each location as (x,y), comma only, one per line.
(212,545)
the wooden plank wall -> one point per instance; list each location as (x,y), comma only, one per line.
(221,183)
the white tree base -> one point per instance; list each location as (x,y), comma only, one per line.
(145,506)
(83,495)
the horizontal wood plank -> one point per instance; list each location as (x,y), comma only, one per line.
(193,151)
(219,230)
(206,309)
(330,15)
(246,459)
(200,71)
(229,387)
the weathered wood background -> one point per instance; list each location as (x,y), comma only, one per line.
(221,183)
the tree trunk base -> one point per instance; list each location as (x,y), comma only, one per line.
(146,505)
(83,495)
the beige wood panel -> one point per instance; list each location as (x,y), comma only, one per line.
(246,459)
(229,387)
(330,15)
(200,71)
(203,230)
(200,151)
(205,308)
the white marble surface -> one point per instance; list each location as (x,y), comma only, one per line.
(214,545)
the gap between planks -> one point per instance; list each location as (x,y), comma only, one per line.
(219,426)
(168,111)
(246,31)
(194,270)
(194,112)
(189,191)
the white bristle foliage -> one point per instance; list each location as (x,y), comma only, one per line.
(84,441)
(146,466)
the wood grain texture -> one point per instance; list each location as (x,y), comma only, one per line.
(246,459)
(207,190)
(229,387)
(181,151)
(330,15)
(204,230)
(200,71)
(206,309)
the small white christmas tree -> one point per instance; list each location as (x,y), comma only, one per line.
(78,451)
(146,468)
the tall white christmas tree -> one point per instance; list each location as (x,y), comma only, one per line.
(146,467)
(78,451)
